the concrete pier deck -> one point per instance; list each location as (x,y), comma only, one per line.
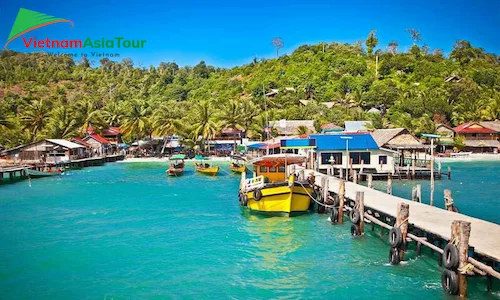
(484,237)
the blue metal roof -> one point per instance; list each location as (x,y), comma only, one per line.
(336,142)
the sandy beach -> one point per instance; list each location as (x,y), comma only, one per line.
(165,159)
(472,157)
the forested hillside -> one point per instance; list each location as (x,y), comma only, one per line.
(56,97)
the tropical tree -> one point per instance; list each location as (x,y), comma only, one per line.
(204,125)
(136,122)
(371,42)
(62,124)
(232,117)
(302,130)
(35,117)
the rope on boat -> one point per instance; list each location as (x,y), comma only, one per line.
(310,196)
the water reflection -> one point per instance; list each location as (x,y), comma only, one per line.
(275,243)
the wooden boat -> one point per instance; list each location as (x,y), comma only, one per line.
(39,174)
(204,166)
(272,190)
(460,155)
(238,164)
(176,165)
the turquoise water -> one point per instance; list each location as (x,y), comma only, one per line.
(125,230)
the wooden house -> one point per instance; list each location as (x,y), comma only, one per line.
(50,151)
(478,137)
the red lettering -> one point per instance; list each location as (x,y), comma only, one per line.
(26,43)
(41,44)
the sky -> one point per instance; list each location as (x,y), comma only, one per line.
(231,33)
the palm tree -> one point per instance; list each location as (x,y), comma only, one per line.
(88,116)
(165,121)
(204,125)
(232,117)
(302,130)
(136,121)
(35,117)
(5,122)
(62,123)
(112,114)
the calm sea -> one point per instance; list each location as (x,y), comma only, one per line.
(125,230)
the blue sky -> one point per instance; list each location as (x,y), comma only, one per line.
(229,33)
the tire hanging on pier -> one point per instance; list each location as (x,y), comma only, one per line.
(336,200)
(450,257)
(449,281)
(355,230)
(257,195)
(394,257)
(395,237)
(354,216)
(334,215)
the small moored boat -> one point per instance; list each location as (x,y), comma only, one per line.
(39,174)
(238,164)
(176,165)
(273,190)
(204,166)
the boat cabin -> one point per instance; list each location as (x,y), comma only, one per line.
(273,167)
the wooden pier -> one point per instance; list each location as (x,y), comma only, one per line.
(425,224)
(17,172)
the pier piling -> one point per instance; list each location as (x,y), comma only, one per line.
(355,177)
(341,201)
(360,200)
(448,200)
(369,178)
(449,172)
(402,215)
(389,184)
(460,233)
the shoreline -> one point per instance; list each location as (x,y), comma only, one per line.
(472,157)
(166,160)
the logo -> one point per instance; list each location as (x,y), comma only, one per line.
(29,20)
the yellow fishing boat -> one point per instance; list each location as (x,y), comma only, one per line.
(237,164)
(203,166)
(272,190)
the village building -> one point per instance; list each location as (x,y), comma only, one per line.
(445,142)
(331,128)
(352,152)
(478,137)
(357,126)
(411,151)
(292,127)
(99,145)
(49,151)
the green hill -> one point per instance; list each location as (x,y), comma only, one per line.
(48,96)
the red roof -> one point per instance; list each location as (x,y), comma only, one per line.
(465,128)
(80,141)
(111,131)
(98,138)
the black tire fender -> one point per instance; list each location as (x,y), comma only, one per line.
(354,216)
(355,230)
(394,258)
(244,200)
(449,281)
(334,215)
(450,257)
(395,237)
(336,200)
(257,195)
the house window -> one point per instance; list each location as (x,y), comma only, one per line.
(263,169)
(281,169)
(272,169)
(382,159)
(357,157)
(325,158)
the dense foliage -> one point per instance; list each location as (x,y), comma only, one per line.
(49,96)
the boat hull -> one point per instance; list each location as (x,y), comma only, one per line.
(281,200)
(39,174)
(238,169)
(175,172)
(212,171)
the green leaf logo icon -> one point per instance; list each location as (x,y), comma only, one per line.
(28,20)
